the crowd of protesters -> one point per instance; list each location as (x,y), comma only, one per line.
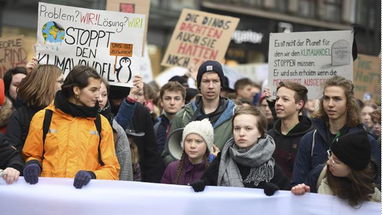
(84,129)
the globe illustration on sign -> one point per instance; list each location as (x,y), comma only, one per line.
(52,32)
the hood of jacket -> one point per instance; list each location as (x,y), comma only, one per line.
(305,125)
(323,129)
(226,113)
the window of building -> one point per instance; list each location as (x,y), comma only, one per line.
(307,8)
(331,10)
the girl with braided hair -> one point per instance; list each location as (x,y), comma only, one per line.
(197,143)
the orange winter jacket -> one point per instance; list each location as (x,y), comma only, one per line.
(71,145)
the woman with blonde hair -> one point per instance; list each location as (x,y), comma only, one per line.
(36,91)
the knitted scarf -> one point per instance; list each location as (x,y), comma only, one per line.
(257,156)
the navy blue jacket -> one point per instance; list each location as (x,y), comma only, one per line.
(161,129)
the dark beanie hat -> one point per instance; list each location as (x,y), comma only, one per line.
(118,92)
(353,149)
(210,66)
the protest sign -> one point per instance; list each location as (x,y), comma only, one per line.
(12,53)
(68,36)
(309,58)
(132,6)
(367,80)
(197,37)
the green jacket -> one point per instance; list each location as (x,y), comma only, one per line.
(222,127)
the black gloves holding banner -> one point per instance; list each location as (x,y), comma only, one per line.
(83,178)
(32,171)
(268,187)
(198,186)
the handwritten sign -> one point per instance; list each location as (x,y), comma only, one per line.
(68,36)
(367,79)
(12,53)
(132,6)
(121,49)
(309,58)
(197,37)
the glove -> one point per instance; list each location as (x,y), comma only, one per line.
(268,188)
(198,186)
(83,178)
(31,172)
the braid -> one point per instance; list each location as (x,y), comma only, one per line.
(206,159)
(180,167)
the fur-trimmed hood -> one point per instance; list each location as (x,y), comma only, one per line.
(6,112)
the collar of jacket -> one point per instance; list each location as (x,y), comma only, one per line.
(225,115)
(304,125)
(65,106)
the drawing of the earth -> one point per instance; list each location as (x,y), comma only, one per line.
(52,32)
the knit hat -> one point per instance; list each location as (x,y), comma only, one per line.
(202,128)
(353,149)
(210,66)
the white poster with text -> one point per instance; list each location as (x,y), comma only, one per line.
(309,58)
(108,41)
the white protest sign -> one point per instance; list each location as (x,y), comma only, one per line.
(108,41)
(309,58)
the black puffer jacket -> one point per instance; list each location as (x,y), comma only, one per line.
(18,126)
(9,156)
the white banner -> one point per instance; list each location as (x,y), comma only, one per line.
(109,41)
(58,196)
(309,58)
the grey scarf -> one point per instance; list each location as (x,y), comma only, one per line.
(258,157)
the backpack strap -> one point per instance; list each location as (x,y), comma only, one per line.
(46,123)
(97,122)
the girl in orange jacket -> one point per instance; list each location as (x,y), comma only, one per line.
(73,147)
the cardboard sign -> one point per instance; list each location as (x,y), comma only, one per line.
(367,78)
(309,58)
(197,37)
(121,49)
(132,6)
(68,36)
(12,53)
